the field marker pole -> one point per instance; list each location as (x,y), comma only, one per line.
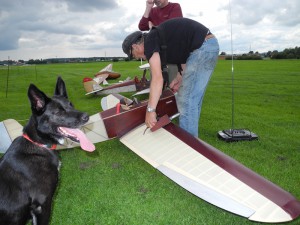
(35,72)
(233,134)
(7,77)
(232,70)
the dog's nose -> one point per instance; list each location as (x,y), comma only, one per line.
(85,117)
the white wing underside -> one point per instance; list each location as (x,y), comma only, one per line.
(200,176)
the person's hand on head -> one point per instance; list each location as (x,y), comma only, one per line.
(149,4)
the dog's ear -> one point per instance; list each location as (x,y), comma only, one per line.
(37,98)
(60,88)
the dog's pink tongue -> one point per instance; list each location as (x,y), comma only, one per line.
(85,143)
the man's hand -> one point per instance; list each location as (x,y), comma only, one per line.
(149,3)
(176,83)
(149,6)
(150,25)
(150,119)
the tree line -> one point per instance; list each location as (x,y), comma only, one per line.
(288,53)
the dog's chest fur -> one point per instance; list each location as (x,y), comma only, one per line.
(35,168)
(29,176)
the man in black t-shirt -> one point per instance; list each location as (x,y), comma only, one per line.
(193,48)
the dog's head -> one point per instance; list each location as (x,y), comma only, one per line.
(55,118)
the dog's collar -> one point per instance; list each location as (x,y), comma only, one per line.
(51,147)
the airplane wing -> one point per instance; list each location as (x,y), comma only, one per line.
(9,129)
(145,66)
(108,71)
(126,86)
(211,175)
(145,91)
(92,85)
(112,100)
(199,167)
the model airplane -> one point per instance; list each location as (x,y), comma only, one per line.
(108,72)
(125,86)
(190,162)
(93,86)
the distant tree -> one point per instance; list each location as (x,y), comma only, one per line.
(290,56)
(269,53)
(274,54)
(223,53)
(249,57)
(288,53)
(36,61)
(30,61)
(245,57)
(297,52)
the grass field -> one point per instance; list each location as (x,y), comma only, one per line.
(115,186)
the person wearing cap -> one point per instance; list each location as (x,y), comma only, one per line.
(190,45)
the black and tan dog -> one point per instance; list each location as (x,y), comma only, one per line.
(29,168)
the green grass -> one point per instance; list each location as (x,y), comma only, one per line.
(115,186)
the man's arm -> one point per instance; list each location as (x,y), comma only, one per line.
(155,88)
(144,22)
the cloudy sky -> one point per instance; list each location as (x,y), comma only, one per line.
(40,29)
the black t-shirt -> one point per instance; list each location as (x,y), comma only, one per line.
(182,36)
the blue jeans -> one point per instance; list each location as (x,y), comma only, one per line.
(199,68)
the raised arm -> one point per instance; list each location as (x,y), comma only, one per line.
(144,22)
